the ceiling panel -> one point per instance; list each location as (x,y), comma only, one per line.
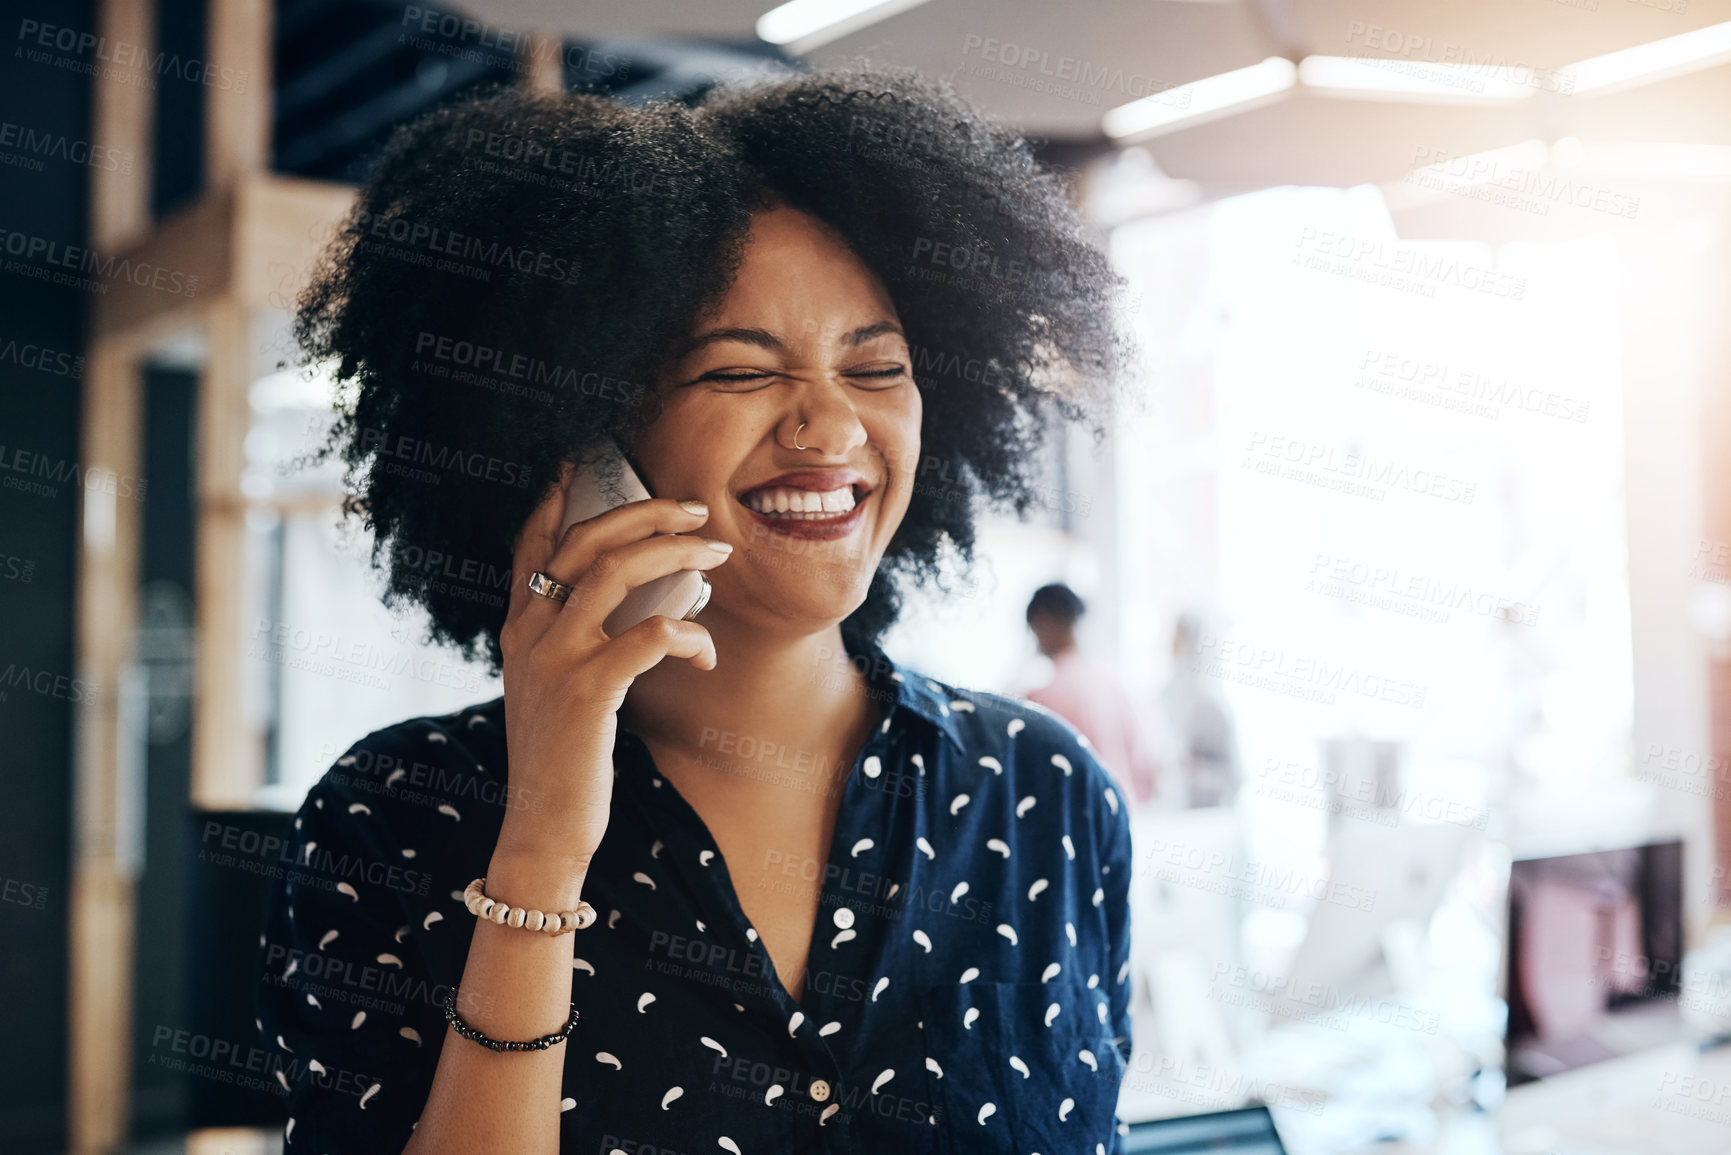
(1051,70)
(1309,139)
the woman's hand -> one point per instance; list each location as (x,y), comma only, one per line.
(565,679)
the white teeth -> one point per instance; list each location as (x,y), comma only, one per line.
(801,503)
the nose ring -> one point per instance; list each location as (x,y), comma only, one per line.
(796,432)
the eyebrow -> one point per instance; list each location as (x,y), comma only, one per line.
(764,339)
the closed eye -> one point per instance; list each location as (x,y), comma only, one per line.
(757,379)
(889,374)
(760,378)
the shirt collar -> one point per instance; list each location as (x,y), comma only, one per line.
(908,690)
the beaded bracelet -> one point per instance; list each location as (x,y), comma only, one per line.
(553,925)
(474,1036)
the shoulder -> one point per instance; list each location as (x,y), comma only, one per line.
(419,759)
(465,735)
(1025,728)
(996,717)
(1030,746)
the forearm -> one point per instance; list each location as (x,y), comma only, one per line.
(564,682)
(516,985)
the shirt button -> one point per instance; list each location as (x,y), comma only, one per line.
(843,916)
(819,1090)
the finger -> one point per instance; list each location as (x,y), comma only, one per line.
(617,572)
(640,648)
(620,526)
(536,543)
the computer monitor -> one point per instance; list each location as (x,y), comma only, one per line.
(1594,958)
(1244,1131)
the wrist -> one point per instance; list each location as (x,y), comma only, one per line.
(561,843)
(541,881)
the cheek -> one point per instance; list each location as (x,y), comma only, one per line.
(662,460)
(902,443)
(691,448)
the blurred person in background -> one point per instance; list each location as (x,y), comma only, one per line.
(1088,695)
(1198,738)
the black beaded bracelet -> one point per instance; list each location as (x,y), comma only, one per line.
(474,1036)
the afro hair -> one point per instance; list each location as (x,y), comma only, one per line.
(517,269)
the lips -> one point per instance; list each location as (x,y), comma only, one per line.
(817,504)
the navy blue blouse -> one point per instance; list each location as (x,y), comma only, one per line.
(966,991)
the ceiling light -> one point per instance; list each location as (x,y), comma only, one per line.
(801,25)
(1428,81)
(1656,60)
(1201,100)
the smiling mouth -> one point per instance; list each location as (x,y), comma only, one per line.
(784,503)
(811,514)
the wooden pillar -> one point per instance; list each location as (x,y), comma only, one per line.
(104,854)
(237,126)
(105,866)
(227,764)
(122,120)
(543,63)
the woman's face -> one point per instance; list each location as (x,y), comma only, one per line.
(805,335)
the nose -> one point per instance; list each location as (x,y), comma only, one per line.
(832,425)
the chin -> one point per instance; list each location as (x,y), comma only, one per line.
(788,589)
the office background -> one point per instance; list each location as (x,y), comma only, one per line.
(1428,451)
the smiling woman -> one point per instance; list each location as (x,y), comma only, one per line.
(805,354)
(747,884)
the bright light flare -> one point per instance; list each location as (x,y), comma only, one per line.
(802,25)
(1201,100)
(1431,82)
(1656,60)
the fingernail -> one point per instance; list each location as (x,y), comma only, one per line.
(718,546)
(696,508)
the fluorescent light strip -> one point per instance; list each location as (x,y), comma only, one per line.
(1201,100)
(1644,63)
(802,25)
(1390,77)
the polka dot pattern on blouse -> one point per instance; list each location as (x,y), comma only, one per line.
(966,990)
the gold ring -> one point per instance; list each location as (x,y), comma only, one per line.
(553,591)
(796,443)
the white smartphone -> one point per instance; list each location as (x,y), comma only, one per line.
(604,480)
